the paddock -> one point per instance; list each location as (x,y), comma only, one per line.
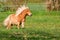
(43,25)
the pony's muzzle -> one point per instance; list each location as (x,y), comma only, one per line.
(30,14)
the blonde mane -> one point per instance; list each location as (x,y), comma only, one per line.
(20,9)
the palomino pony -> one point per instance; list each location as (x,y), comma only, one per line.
(18,18)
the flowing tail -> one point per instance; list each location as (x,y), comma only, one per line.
(6,21)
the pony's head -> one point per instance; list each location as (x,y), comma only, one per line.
(23,9)
(27,11)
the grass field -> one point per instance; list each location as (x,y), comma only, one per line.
(41,26)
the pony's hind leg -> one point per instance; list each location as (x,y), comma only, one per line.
(9,26)
(18,25)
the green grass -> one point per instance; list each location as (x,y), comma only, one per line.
(42,25)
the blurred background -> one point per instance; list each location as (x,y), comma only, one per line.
(12,5)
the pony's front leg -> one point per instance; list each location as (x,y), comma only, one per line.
(22,24)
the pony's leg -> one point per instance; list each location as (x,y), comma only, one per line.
(18,25)
(22,25)
(9,25)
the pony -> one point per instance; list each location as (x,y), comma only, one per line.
(18,18)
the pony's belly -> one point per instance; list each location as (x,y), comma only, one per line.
(14,22)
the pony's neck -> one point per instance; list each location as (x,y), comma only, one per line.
(23,14)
